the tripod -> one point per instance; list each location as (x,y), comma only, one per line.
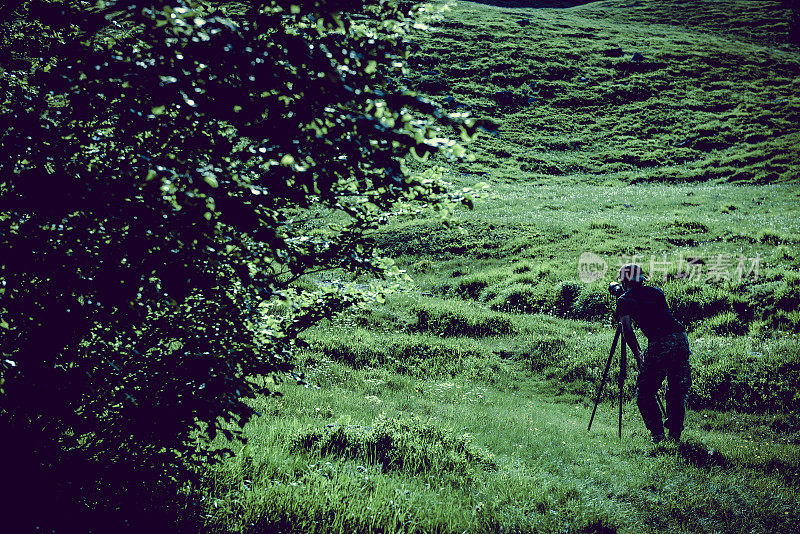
(623,374)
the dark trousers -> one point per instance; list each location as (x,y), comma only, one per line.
(666,357)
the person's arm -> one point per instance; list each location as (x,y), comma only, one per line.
(630,337)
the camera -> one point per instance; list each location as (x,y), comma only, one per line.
(616,289)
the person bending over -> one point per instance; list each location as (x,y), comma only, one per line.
(667,353)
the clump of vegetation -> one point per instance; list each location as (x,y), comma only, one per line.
(770,237)
(544,352)
(403,444)
(593,303)
(413,354)
(452,319)
(523,298)
(734,374)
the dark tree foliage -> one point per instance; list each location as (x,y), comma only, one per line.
(794,19)
(167,170)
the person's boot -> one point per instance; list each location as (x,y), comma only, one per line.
(657,438)
(675,437)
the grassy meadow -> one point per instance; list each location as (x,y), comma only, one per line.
(461,403)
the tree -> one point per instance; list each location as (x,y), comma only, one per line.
(794,19)
(169,169)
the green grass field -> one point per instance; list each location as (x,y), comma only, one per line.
(461,404)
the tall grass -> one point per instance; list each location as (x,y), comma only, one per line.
(476,459)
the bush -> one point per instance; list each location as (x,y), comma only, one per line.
(152,166)
(793,17)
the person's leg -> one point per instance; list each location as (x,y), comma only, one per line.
(651,375)
(679,381)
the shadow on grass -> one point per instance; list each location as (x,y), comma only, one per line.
(788,471)
(49,488)
(535,3)
(694,453)
(699,455)
(598,527)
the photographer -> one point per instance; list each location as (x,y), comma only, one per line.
(667,353)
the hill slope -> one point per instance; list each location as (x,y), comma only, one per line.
(638,91)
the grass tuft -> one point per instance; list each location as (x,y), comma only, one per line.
(404,444)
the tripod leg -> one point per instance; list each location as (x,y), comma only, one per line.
(623,372)
(661,407)
(605,374)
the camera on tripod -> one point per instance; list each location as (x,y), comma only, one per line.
(616,289)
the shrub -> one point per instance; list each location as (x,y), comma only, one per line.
(151,169)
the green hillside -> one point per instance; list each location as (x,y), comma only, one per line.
(638,91)
(461,403)
(564,152)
